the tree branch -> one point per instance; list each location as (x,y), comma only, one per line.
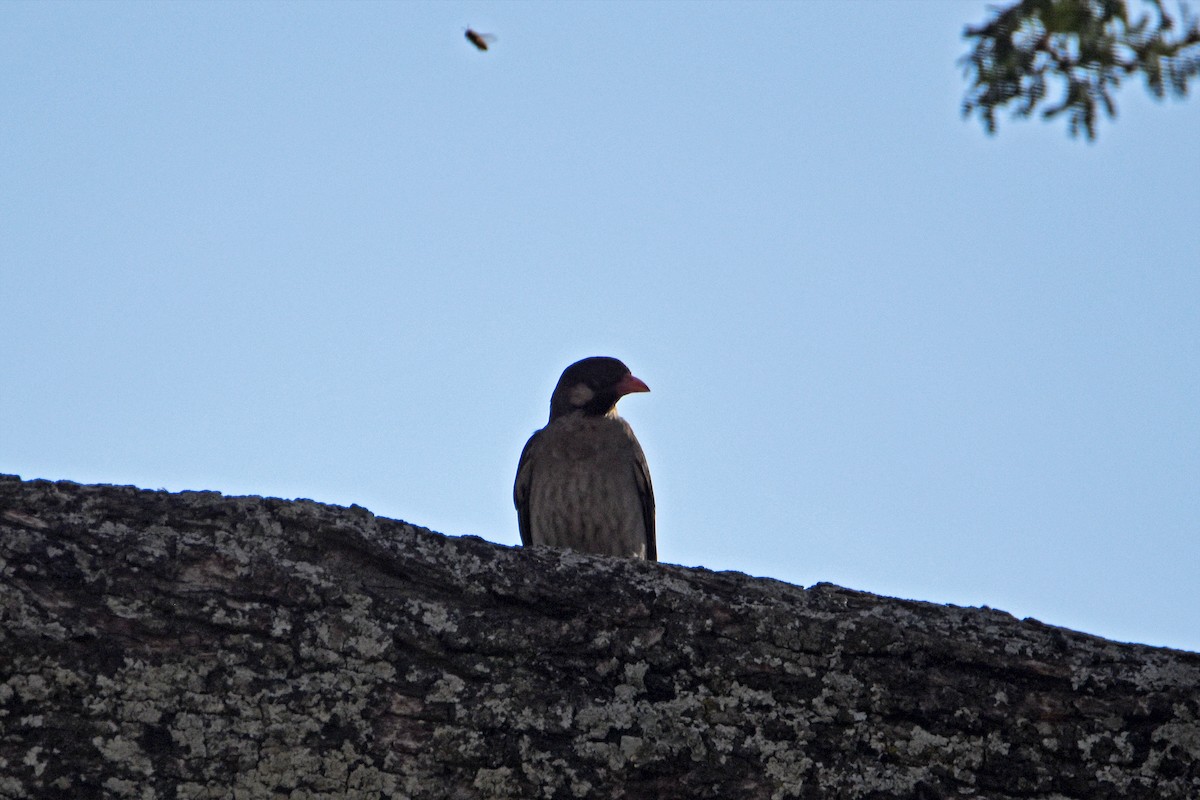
(1089,46)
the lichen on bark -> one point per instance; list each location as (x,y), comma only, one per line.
(191,645)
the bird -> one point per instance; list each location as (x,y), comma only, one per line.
(480,40)
(582,481)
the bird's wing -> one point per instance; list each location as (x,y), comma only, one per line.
(641,474)
(521,490)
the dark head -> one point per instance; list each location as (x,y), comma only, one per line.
(593,386)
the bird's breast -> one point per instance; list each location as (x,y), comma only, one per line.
(584,495)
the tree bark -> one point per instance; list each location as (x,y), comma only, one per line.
(190,645)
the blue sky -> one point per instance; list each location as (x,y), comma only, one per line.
(329,250)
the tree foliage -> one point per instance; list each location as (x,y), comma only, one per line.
(1087,46)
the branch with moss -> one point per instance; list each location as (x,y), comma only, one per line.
(1088,46)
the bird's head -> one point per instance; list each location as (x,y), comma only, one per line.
(592,387)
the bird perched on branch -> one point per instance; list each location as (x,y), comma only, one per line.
(582,481)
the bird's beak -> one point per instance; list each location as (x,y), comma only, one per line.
(630,384)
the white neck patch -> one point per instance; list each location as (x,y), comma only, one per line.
(580,395)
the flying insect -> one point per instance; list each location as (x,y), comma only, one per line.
(480,40)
